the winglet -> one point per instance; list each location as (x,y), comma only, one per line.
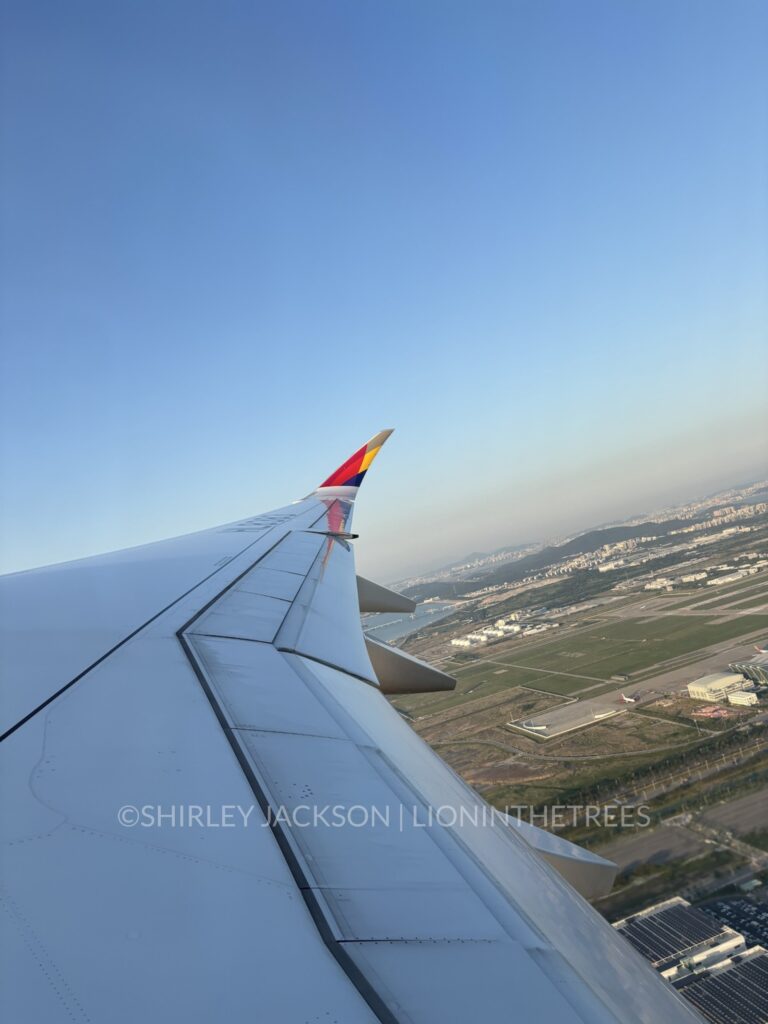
(350,474)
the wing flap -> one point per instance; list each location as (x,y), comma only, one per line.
(428,982)
(258,689)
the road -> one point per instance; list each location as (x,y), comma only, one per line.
(653,846)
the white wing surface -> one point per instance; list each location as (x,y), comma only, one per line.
(212,813)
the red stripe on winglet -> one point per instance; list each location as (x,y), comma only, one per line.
(348,469)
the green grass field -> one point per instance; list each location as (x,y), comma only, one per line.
(582,659)
(485,680)
(704,596)
(722,595)
(751,602)
(627,647)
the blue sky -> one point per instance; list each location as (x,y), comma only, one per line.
(238,238)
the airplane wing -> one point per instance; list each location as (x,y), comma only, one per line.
(211,812)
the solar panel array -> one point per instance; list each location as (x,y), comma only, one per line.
(738,995)
(671,932)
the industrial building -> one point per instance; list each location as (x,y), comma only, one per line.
(705,960)
(678,939)
(735,991)
(716,685)
(694,577)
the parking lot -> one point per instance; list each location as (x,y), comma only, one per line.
(745,915)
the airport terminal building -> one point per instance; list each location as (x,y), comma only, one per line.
(756,669)
(716,686)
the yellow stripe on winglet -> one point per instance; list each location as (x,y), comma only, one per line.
(368,458)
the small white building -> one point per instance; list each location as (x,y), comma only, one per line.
(743,698)
(660,583)
(470,640)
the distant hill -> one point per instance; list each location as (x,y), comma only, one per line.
(475,556)
(512,572)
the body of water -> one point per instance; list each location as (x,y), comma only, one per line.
(390,626)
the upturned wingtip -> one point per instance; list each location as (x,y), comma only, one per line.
(351,472)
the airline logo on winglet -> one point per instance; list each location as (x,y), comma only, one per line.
(351,472)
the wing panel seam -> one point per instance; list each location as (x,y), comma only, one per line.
(311,898)
(135,632)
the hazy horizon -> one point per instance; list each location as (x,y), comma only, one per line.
(649,495)
(647,515)
(381,543)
